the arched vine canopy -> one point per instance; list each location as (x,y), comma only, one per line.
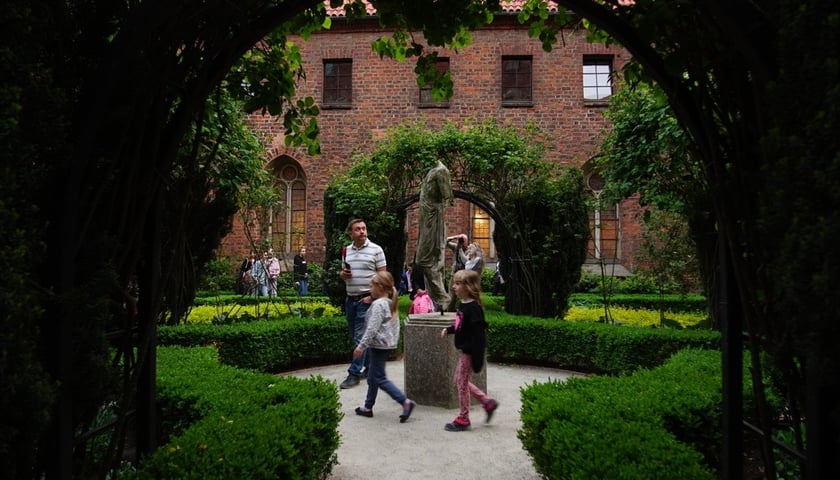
(87,188)
(538,207)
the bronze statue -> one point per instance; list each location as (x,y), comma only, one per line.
(435,194)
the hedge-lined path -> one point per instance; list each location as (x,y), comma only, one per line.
(420,449)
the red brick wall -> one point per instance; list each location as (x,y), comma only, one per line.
(385,94)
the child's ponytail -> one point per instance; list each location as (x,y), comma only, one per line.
(395,303)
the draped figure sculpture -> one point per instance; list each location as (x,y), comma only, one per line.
(435,194)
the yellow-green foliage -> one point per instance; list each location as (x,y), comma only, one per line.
(212,313)
(639,318)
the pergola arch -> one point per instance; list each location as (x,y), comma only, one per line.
(479,200)
(116,141)
(540,219)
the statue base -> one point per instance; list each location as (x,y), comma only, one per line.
(430,361)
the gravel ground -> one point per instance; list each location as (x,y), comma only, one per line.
(381,447)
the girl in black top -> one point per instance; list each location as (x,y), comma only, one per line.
(470,331)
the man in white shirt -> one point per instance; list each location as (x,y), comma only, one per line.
(361,260)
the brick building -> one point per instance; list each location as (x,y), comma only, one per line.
(504,75)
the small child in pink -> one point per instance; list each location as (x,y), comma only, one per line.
(470,331)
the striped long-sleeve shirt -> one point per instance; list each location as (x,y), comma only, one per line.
(364,262)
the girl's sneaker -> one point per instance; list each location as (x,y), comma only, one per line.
(490,407)
(408,407)
(457,425)
(364,412)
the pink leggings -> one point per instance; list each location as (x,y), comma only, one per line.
(463,374)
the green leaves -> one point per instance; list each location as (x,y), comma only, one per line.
(647,152)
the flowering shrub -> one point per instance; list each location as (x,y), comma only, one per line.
(638,318)
(235,313)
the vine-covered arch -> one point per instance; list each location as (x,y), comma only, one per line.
(541,224)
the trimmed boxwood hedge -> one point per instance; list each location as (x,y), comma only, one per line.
(223,422)
(612,414)
(654,424)
(587,347)
(278,345)
(269,345)
(673,303)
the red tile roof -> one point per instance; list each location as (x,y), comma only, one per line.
(509,6)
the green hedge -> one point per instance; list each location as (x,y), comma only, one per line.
(654,424)
(223,422)
(278,345)
(229,298)
(671,302)
(615,410)
(269,345)
(587,347)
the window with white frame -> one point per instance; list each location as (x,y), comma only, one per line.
(597,78)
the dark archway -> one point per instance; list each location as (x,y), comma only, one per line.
(139,81)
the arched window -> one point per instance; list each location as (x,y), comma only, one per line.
(288,218)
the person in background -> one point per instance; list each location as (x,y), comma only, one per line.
(244,281)
(498,279)
(470,329)
(273,271)
(405,280)
(301,272)
(382,332)
(475,258)
(418,281)
(361,260)
(458,245)
(260,273)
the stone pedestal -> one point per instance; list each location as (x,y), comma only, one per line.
(430,361)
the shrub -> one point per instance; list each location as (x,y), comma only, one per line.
(658,418)
(585,346)
(641,283)
(670,302)
(487,275)
(268,346)
(239,424)
(277,345)
(636,317)
(217,275)
(235,313)
(589,282)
